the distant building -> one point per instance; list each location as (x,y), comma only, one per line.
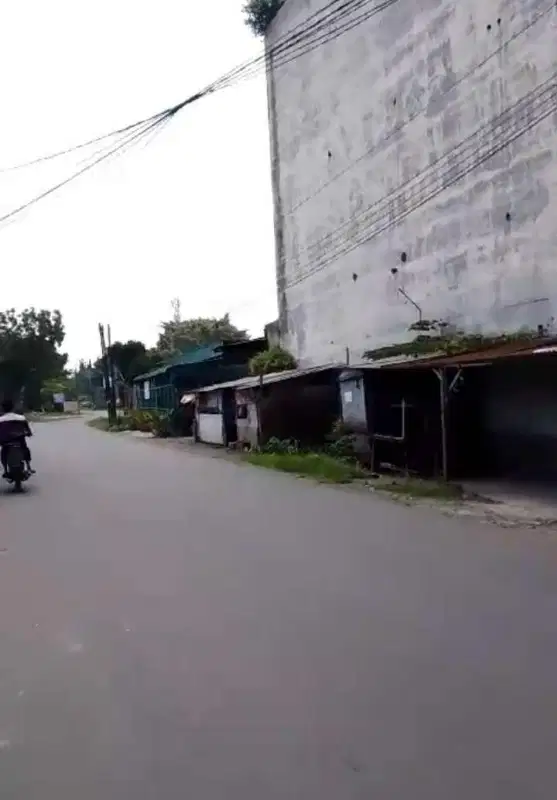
(163,387)
(414,163)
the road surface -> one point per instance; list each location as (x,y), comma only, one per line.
(176,626)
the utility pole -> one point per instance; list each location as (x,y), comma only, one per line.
(176,304)
(108,373)
(76,384)
(176,319)
(112,373)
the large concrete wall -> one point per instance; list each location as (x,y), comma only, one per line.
(359,116)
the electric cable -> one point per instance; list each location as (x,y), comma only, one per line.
(421,109)
(292,41)
(528,112)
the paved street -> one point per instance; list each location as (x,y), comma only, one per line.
(176,626)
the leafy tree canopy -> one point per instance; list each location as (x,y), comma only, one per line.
(184,334)
(259,14)
(275,359)
(131,359)
(29,342)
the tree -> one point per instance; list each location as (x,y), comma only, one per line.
(29,354)
(87,378)
(131,359)
(62,385)
(184,334)
(260,13)
(275,359)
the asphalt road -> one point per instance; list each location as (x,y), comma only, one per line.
(176,626)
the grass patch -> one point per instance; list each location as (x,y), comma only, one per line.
(318,466)
(418,488)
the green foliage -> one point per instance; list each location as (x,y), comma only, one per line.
(60,385)
(131,359)
(275,445)
(343,447)
(180,335)
(153,421)
(162,424)
(275,359)
(448,343)
(341,442)
(140,420)
(320,466)
(260,13)
(29,356)
(88,381)
(181,420)
(158,422)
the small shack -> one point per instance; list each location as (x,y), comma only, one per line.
(487,413)
(296,404)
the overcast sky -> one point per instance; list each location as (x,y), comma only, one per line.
(190,215)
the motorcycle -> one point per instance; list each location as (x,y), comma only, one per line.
(16,467)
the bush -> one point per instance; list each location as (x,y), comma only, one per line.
(260,13)
(161,425)
(341,441)
(284,446)
(148,421)
(343,447)
(275,359)
(141,420)
(181,420)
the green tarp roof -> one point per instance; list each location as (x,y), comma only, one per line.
(195,355)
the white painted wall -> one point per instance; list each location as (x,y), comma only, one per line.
(465,262)
(210,428)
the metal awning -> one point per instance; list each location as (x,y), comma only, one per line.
(471,358)
(250,382)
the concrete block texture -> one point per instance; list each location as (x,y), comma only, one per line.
(418,151)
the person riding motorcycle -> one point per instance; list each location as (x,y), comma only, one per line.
(13,428)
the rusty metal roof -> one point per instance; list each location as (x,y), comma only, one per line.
(485,355)
(274,377)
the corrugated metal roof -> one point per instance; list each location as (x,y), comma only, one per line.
(495,352)
(196,355)
(274,377)
(258,341)
(152,374)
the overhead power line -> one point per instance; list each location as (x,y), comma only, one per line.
(342,20)
(334,20)
(389,211)
(122,144)
(161,116)
(330,22)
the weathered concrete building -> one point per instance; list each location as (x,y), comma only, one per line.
(414,161)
